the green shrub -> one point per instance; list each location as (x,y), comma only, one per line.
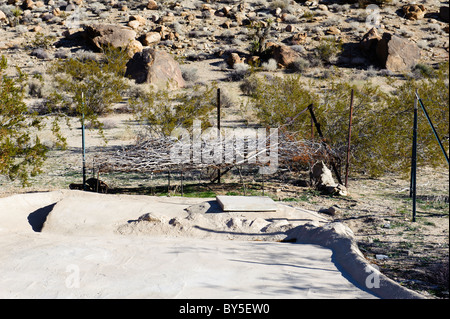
(382,122)
(89,87)
(163,110)
(328,49)
(21,152)
(278,100)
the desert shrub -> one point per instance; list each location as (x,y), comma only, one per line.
(21,152)
(382,122)
(299,65)
(88,87)
(163,111)
(423,70)
(328,49)
(277,101)
(259,33)
(270,65)
(249,84)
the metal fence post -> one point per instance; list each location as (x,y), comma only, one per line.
(414,163)
(347,162)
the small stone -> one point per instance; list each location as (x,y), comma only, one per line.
(152,5)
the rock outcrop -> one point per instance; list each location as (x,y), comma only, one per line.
(156,67)
(397,54)
(110,35)
(392,52)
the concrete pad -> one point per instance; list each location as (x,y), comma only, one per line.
(53,266)
(246,203)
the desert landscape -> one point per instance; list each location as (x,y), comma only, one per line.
(241,48)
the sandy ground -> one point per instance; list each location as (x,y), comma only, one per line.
(71,244)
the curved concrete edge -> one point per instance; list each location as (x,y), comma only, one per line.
(341,240)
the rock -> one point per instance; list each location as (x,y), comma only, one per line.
(390,51)
(156,67)
(322,177)
(134,24)
(332,211)
(28,4)
(333,31)
(289,28)
(369,42)
(283,54)
(152,5)
(151,38)
(3,17)
(414,11)
(339,190)
(298,38)
(108,34)
(397,54)
(322,7)
(381,257)
(134,47)
(444,13)
(233,59)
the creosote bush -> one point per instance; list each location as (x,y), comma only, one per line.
(382,122)
(21,151)
(88,87)
(163,111)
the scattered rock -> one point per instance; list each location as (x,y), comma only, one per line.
(152,5)
(151,38)
(298,38)
(3,17)
(155,67)
(233,59)
(339,190)
(322,180)
(332,211)
(134,47)
(414,11)
(390,51)
(289,28)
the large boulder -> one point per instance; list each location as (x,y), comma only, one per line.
(156,67)
(283,54)
(110,35)
(390,51)
(397,54)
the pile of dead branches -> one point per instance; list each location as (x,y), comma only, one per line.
(163,153)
